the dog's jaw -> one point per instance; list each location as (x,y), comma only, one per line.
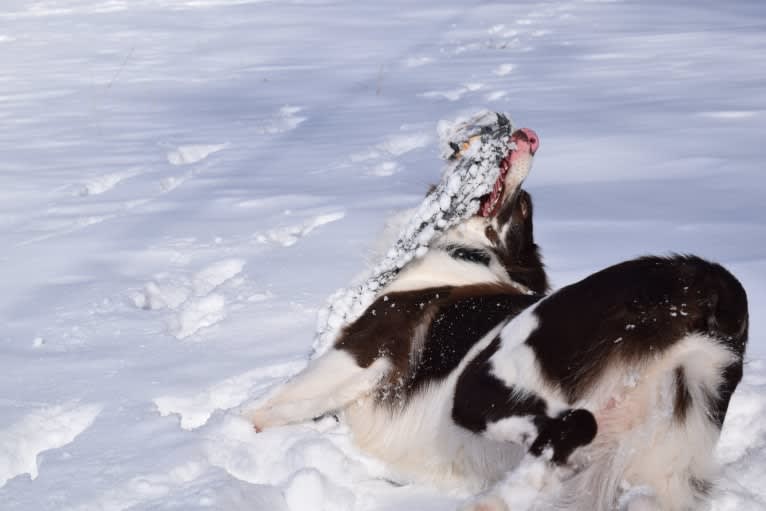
(514,168)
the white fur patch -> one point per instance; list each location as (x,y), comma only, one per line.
(516,429)
(422,442)
(328,383)
(519,329)
(438,268)
(640,442)
(516,364)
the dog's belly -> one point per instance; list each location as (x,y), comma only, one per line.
(421,441)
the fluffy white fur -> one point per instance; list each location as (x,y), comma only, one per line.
(438,268)
(329,383)
(639,445)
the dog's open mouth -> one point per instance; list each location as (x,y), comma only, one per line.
(513,169)
(490,203)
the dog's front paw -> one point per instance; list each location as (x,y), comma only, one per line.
(484,503)
(260,419)
(559,437)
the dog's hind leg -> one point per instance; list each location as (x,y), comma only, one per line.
(500,395)
(329,383)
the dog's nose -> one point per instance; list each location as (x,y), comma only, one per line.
(529,136)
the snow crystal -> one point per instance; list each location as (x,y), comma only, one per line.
(195,410)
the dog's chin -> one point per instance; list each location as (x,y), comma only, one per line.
(500,209)
(513,169)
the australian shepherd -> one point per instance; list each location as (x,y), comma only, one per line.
(609,393)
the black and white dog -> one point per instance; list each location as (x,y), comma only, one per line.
(607,394)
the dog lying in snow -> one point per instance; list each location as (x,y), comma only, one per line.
(608,393)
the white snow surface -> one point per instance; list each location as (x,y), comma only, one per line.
(184,183)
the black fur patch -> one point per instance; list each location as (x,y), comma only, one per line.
(635,310)
(564,434)
(453,319)
(470,254)
(481,398)
(718,406)
(460,323)
(387,327)
(517,251)
(683,398)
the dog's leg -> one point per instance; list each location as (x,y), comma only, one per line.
(328,383)
(499,395)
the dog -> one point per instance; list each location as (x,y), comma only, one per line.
(610,392)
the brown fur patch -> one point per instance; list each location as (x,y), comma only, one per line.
(426,332)
(683,399)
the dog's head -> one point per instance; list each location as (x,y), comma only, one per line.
(509,209)
(500,236)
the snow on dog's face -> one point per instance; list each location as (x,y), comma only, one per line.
(500,236)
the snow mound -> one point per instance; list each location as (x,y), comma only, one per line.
(102,184)
(309,490)
(397,145)
(188,154)
(160,295)
(192,299)
(197,409)
(45,429)
(288,236)
(198,314)
(454,94)
(314,464)
(216,274)
(285,120)
(144,487)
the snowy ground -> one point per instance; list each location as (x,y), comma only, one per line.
(184,182)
